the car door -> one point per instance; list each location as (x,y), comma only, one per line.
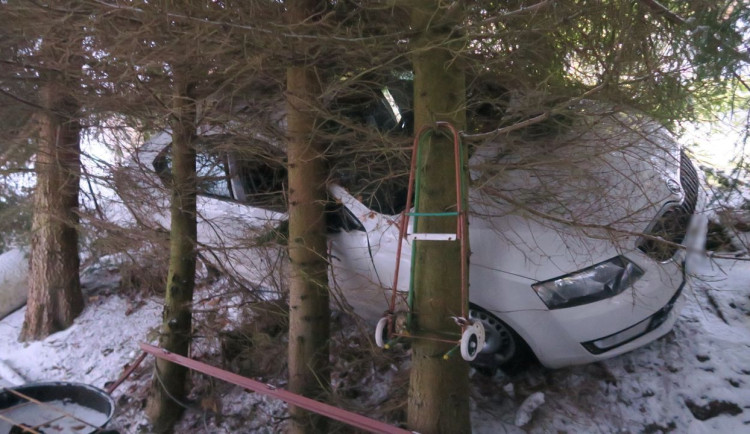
(363,258)
(230,222)
(257,181)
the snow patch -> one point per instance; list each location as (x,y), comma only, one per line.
(529,405)
(9,375)
(694,380)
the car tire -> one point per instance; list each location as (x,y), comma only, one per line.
(503,349)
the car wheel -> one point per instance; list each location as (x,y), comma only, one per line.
(503,347)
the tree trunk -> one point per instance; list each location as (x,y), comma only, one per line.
(168,384)
(308,294)
(55,298)
(438,389)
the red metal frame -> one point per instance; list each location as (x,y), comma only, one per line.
(339,414)
(461,218)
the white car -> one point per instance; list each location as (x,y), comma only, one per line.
(579,237)
(14,271)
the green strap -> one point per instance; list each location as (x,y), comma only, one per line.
(463,188)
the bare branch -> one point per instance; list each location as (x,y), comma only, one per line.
(275,31)
(505,130)
(662,11)
(528,122)
(21,100)
(523,10)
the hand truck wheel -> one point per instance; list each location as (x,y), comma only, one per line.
(381,332)
(472,341)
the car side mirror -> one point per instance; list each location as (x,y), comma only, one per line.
(339,218)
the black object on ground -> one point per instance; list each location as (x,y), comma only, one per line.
(54,407)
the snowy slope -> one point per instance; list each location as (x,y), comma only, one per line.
(695,380)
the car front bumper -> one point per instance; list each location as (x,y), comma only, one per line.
(607,328)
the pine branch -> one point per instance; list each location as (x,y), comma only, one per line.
(523,10)
(662,11)
(21,100)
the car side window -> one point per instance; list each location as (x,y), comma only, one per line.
(211,169)
(338,218)
(264,183)
(213,175)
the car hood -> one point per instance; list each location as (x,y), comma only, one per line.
(578,196)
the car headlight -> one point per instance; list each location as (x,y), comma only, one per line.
(591,284)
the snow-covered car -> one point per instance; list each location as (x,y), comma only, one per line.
(579,237)
(14,269)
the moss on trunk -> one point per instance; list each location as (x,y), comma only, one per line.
(168,384)
(438,389)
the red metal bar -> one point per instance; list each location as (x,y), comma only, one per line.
(405,216)
(348,417)
(461,218)
(126,374)
(426,337)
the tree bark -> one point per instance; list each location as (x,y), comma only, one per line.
(55,298)
(309,372)
(168,384)
(438,389)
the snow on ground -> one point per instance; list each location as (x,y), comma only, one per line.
(694,380)
(94,350)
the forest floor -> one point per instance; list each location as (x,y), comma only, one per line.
(696,379)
